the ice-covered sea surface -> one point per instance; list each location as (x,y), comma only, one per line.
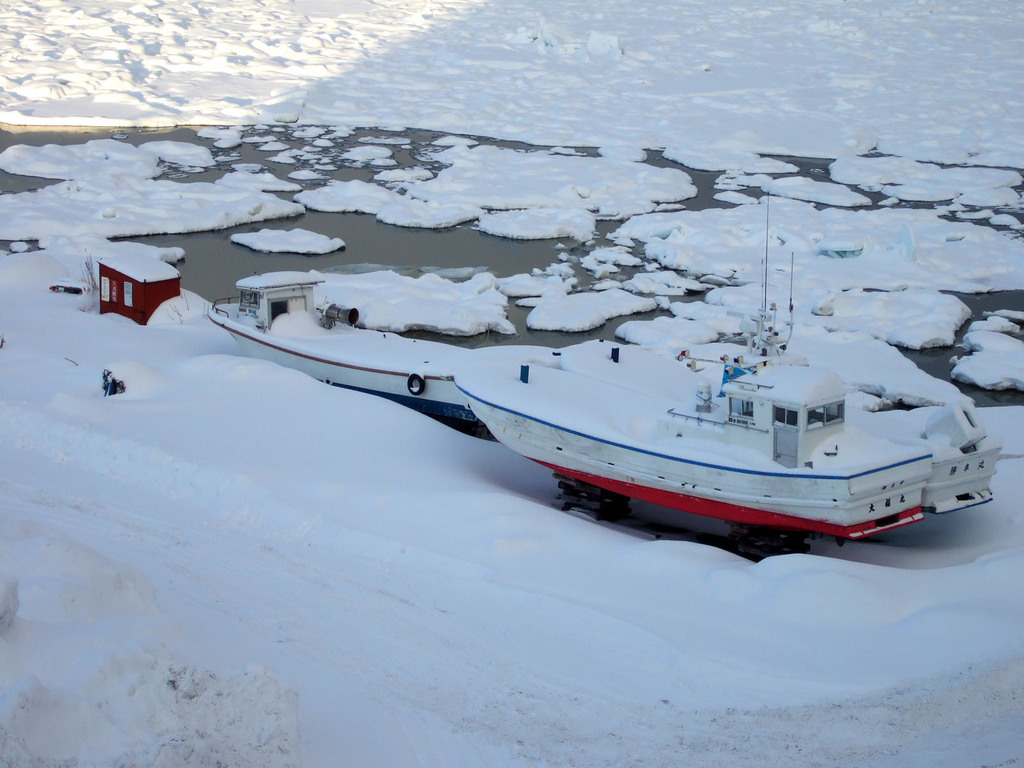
(594,221)
(230,563)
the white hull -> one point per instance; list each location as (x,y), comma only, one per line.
(622,428)
(416,374)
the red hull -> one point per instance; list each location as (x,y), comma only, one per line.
(734,513)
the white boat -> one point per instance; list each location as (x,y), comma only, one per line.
(276,318)
(767,447)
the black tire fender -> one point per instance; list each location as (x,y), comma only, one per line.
(416,384)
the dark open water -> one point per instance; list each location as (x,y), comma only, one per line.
(213,263)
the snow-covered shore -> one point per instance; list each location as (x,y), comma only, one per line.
(237,526)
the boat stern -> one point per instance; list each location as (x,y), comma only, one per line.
(962,471)
(962,481)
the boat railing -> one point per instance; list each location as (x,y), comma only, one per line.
(217,302)
(702,420)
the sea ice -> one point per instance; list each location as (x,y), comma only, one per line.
(344,196)
(996,361)
(388,301)
(373,155)
(584,311)
(733,160)
(505,179)
(180,153)
(669,335)
(122,206)
(914,319)
(907,179)
(96,158)
(663,283)
(603,261)
(288,241)
(263,181)
(800,188)
(408,212)
(523,285)
(539,224)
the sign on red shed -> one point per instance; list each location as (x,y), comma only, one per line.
(134,286)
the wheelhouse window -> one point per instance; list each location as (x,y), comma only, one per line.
(248,299)
(826,414)
(786,416)
(741,409)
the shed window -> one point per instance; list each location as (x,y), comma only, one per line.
(786,416)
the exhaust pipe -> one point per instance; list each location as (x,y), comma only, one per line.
(334,314)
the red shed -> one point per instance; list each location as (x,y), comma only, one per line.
(134,285)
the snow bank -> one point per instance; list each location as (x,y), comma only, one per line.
(871,366)
(667,334)
(181,309)
(86,679)
(207,572)
(663,283)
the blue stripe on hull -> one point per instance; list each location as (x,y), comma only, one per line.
(931,510)
(423,405)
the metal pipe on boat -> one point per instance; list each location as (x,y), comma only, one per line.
(615,354)
(524,374)
(335,314)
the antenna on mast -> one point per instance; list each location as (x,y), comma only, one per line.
(764,277)
(792,262)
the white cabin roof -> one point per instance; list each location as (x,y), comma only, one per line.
(277,280)
(794,384)
(143,269)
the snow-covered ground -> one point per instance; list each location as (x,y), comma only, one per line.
(233,564)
